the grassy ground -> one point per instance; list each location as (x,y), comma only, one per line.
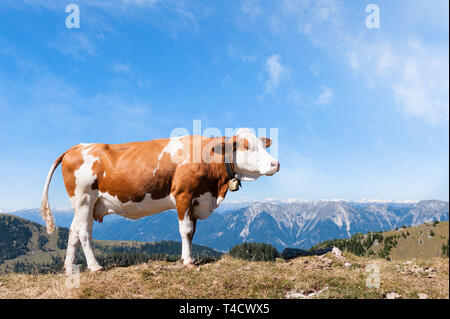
(419,242)
(234,278)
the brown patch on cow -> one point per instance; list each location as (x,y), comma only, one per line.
(71,161)
(266,141)
(130,170)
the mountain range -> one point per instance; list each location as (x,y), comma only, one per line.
(282,223)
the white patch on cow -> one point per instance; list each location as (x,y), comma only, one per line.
(108,204)
(172,147)
(84,177)
(207,203)
(186,227)
(186,161)
(173,200)
(219,200)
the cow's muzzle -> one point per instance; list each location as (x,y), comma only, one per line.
(275,167)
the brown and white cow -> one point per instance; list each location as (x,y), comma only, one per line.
(145,178)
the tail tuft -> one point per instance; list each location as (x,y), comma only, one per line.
(46,213)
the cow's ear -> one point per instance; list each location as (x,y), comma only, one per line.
(231,144)
(225,146)
(266,141)
(235,142)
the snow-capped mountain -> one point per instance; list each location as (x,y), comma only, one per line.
(304,223)
(282,223)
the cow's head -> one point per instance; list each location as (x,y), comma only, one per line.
(250,158)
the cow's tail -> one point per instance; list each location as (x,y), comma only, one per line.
(46,213)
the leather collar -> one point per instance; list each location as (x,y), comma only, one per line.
(230,171)
(232,175)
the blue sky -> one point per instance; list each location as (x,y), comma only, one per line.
(360,113)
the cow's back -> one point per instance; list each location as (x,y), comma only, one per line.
(129,178)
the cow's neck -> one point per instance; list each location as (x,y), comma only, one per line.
(219,172)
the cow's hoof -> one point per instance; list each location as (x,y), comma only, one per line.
(190,265)
(96,269)
(69,272)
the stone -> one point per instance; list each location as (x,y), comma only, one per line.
(393,295)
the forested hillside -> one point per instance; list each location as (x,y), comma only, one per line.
(26,247)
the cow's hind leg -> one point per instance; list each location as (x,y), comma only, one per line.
(81,232)
(85,222)
(72,248)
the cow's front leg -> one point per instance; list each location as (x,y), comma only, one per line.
(187,230)
(187,223)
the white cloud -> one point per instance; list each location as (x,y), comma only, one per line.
(45,100)
(99,18)
(274,68)
(119,67)
(325,97)
(315,68)
(276,71)
(227,81)
(433,16)
(251,8)
(296,98)
(317,19)
(376,62)
(141,2)
(236,53)
(415,73)
(78,45)
(417,76)
(423,89)
(353,59)
(386,61)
